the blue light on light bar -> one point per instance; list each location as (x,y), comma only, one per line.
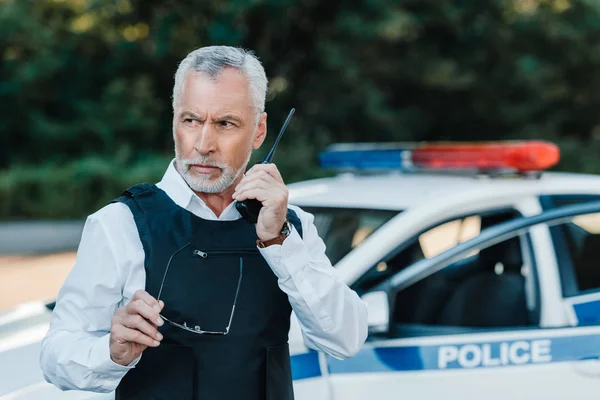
(365,159)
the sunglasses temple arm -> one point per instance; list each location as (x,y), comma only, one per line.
(236,295)
(167,269)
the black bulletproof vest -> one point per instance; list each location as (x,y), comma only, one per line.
(252,361)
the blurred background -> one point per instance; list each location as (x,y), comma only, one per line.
(85,94)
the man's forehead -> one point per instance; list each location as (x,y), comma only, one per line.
(223,95)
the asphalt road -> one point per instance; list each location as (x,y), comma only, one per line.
(39,237)
(35,259)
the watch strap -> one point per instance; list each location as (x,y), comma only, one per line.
(285,232)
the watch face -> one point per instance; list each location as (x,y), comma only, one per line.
(286,230)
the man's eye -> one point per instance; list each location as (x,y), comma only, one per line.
(226,124)
(190,121)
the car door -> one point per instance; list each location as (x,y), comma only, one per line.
(473,330)
(577,244)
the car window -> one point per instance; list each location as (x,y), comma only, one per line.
(445,236)
(430,243)
(577,245)
(344,229)
(484,290)
(474,292)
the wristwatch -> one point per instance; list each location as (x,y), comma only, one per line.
(285,232)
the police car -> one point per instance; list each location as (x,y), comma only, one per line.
(480,270)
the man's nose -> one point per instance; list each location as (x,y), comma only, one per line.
(206,142)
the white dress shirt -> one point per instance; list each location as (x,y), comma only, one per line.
(109,269)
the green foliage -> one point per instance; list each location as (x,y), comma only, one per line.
(85,84)
(72,189)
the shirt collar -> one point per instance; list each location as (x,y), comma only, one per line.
(178,190)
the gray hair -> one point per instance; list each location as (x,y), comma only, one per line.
(213,60)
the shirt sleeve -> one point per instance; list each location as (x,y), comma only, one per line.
(75,352)
(332,316)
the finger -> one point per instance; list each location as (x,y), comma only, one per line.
(260,194)
(253,169)
(124,334)
(257,184)
(270,169)
(121,311)
(266,176)
(260,180)
(251,178)
(145,296)
(274,172)
(137,322)
(265,183)
(139,307)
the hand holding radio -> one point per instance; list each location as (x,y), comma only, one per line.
(262,197)
(264,183)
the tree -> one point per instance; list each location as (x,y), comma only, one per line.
(86,84)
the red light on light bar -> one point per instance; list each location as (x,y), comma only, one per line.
(520,156)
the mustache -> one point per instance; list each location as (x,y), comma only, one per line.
(203,160)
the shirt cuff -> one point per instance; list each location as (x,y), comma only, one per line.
(102,364)
(288,258)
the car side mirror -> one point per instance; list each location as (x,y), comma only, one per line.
(378,309)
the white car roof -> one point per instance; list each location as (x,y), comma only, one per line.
(401,191)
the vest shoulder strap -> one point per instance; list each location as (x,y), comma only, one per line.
(141,200)
(139,190)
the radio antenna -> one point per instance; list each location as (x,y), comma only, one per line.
(269,156)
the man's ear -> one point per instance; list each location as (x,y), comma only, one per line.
(261,131)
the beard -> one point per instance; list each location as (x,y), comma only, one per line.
(202,183)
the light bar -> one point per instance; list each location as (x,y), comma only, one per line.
(516,156)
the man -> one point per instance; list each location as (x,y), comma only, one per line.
(173,294)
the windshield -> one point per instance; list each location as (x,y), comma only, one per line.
(343,229)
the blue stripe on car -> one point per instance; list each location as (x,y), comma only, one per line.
(491,354)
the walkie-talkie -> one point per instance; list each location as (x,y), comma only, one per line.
(250,208)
